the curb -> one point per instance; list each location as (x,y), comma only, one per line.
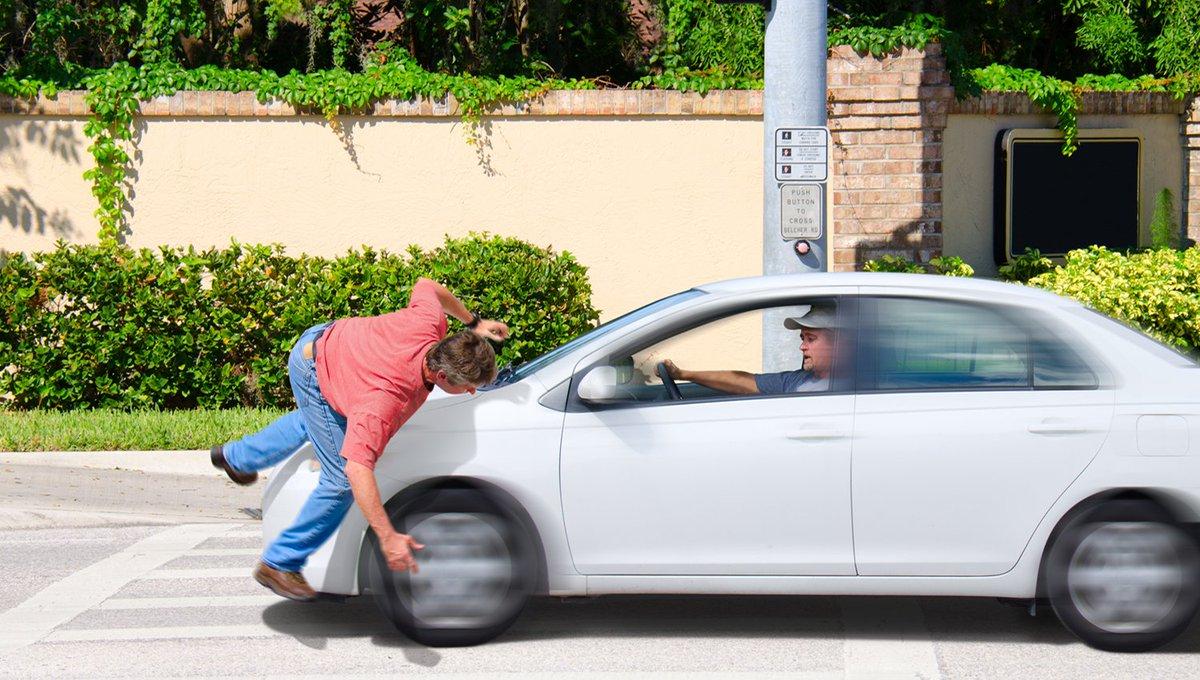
(160,462)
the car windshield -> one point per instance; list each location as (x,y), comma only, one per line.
(511,375)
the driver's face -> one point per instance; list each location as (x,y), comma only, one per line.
(817,346)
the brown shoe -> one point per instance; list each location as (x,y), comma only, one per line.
(289,584)
(217,453)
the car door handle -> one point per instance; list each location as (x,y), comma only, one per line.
(816,433)
(1060,427)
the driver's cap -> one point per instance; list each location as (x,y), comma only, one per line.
(813,316)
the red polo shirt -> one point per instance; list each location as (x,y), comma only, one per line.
(369,370)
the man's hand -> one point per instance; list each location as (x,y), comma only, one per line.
(492,330)
(398,551)
(674,371)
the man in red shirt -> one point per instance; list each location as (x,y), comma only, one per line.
(356,381)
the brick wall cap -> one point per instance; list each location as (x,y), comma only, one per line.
(724,103)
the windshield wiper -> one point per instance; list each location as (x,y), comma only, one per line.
(504,376)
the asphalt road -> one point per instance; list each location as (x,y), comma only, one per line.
(118,597)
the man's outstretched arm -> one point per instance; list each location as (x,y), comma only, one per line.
(454,307)
(733,382)
(397,548)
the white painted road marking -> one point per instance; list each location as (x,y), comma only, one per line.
(550,675)
(170,574)
(162,633)
(872,645)
(213,552)
(257,630)
(190,602)
(242,533)
(60,602)
(873,649)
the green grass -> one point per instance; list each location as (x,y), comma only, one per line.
(108,430)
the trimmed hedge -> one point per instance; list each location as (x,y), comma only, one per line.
(110,327)
(1156,290)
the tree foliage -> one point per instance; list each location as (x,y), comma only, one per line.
(613,40)
(1140,35)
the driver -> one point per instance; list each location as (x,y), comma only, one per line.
(817,335)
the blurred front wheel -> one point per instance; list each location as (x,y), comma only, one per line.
(477,569)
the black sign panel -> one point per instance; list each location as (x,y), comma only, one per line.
(1058,203)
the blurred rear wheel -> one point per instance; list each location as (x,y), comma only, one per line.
(477,569)
(1124,577)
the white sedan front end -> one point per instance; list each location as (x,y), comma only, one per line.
(975,438)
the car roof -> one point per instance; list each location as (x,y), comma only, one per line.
(983,288)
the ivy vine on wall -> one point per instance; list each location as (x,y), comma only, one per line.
(114,94)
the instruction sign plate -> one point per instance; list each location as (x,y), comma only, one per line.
(802,154)
(803,211)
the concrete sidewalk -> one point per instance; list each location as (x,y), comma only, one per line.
(107,488)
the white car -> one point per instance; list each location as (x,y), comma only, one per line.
(974,438)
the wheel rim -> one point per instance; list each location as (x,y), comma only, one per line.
(1126,577)
(466,570)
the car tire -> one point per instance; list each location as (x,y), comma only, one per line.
(476,572)
(1123,576)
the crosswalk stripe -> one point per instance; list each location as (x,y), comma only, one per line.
(189,602)
(242,533)
(194,632)
(553,675)
(63,600)
(168,574)
(163,633)
(212,552)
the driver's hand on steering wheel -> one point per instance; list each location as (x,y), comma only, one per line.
(674,371)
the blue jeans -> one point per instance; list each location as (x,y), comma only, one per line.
(315,421)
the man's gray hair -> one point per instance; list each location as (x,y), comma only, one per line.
(465,358)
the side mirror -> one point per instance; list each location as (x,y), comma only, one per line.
(600,384)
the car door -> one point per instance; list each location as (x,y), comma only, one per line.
(713,484)
(971,419)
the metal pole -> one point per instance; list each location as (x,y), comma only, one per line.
(794,95)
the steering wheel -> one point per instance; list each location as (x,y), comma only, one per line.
(668,382)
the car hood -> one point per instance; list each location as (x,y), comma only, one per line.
(438,399)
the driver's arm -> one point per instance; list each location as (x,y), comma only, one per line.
(732,382)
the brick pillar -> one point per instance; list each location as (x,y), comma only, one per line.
(887,116)
(1191,164)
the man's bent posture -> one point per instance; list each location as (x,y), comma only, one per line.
(356,381)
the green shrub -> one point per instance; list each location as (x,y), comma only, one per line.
(951,265)
(1025,266)
(893,263)
(95,326)
(1164,231)
(946,265)
(1157,290)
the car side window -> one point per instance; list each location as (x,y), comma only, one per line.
(723,358)
(921,344)
(1058,366)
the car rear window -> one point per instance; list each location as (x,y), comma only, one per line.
(1163,351)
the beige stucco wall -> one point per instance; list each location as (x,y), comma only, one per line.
(651,206)
(43,196)
(967,174)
